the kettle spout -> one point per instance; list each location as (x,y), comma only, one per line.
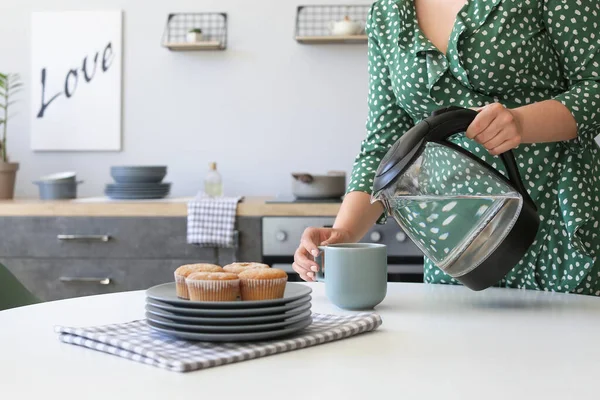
(380,197)
(377,197)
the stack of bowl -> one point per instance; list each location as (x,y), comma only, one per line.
(138,183)
(60,186)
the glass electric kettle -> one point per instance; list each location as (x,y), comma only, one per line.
(466,217)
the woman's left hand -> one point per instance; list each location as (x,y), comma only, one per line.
(496,128)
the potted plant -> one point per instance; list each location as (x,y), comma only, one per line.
(194,35)
(9,86)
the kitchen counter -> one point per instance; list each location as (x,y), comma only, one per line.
(170,207)
(436,342)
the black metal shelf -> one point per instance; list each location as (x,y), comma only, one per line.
(312,23)
(212,24)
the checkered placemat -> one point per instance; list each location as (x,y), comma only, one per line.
(211,221)
(137,341)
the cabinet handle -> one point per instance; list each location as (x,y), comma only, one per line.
(84,238)
(100,281)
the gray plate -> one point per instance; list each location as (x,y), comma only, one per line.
(229,312)
(167,294)
(182,319)
(165,323)
(121,196)
(231,337)
(141,185)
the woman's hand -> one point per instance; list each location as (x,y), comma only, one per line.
(497,128)
(312,238)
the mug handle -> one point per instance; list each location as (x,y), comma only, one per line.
(320,260)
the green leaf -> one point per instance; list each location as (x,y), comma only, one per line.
(13,92)
(15,86)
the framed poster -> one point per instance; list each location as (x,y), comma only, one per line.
(76,72)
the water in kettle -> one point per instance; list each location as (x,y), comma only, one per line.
(454,210)
(445,226)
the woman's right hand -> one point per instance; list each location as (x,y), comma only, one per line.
(312,238)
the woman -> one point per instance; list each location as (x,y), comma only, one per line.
(531,68)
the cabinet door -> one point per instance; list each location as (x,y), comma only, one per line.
(119,238)
(99,237)
(54,279)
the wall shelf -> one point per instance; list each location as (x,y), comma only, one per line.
(313,23)
(331,39)
(198,46)
(212,24)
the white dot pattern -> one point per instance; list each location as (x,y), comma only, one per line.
(515,52)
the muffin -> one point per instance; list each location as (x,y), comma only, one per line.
(262,283)
(213,286)
(239,267)
(185,270)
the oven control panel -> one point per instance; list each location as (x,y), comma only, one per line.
(281,236)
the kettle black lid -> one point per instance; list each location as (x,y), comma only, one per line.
(439,126)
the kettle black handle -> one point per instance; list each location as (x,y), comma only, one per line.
(449,121)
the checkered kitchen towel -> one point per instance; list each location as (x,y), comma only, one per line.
(137,341)
(211,221)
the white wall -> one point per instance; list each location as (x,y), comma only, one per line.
(263,108)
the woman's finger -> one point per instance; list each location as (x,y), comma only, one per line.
(301,257)
(484,119)
(506,146)
(309,237)
(500,138)
(302,272)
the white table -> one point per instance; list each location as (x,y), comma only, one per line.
(436,342)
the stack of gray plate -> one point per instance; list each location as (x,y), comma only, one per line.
(228,321)
(138,182)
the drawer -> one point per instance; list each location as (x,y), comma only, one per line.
(54,279)
(98,237)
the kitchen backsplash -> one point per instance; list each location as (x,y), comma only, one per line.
(263,108)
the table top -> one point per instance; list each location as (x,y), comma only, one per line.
(436,341)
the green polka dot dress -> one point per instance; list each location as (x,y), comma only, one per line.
(515,52)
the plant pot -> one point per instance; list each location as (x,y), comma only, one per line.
(8,174)
(194,37)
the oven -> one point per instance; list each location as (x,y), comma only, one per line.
(281,237)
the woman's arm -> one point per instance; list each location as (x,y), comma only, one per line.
(357,215)
(572,116)
(386,122)
(546,121)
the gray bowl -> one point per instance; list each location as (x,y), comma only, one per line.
(140,174)
(57,190)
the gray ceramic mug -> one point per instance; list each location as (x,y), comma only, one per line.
(355,274)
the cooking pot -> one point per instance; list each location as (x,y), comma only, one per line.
(470,220)
(329,186)
(58,190)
